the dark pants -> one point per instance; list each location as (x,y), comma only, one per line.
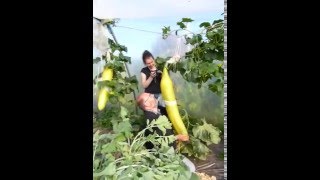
(151,116)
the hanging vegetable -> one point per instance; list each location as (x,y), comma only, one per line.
(103,96)
(171,103)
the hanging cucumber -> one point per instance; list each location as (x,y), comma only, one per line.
(103,96)
(169,98)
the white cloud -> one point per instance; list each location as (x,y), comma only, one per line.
(153,8)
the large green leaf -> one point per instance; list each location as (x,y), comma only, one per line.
(124,58)
(186,20)
(148,175)
(132,79)
(108,148)
(182,25)
(217,21)
(195,39)
(187,148)
(165,32)
(204,24)
(207,133)
(200,150)
(163,121)
(124,113)
(123,127)
(109,170)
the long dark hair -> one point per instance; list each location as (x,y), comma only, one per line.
(146,54)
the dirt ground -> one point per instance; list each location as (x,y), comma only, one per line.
(214,165)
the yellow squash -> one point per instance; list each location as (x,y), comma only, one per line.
(103,96)
(168,96)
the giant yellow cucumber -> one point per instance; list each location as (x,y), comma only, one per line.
(169,98)
(103,96)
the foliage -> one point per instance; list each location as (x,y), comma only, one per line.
(203,64)
(120,155)
(121,85)
(205,61)
(201,136)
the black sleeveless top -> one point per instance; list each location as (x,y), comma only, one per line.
(154,87)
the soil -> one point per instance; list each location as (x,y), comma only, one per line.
(213,165)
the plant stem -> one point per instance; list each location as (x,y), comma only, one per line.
(124,167)
(119,159)
(138,135)
(145,153)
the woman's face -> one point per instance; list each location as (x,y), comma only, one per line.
(150,63)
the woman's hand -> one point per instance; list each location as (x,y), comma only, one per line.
(153,74)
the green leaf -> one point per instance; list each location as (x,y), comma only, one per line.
(107,83)
(170,166)
(204,24)
(206,68)
(207,133)
(124,58)
(148,175)
(220,56)
(187,148)
(109,170)
(123,48)
(106,136)
(213,87)
(165,32)
(110,157)
(199,149)
(163,130)
(186,20)
(165,29)
(217,21)
(171,138)
(96,163)
(113,99)
(132,79)
(217,86)
(123,113)
(194,40)
(210,35)
(210,46)
(210,56)
(163,121)
(182,25)
(170,151)
(123,127)
(108,148)
(158,177)
(185,174)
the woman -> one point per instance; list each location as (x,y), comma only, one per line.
(150,79)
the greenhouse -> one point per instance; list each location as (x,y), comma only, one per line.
(171,70)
